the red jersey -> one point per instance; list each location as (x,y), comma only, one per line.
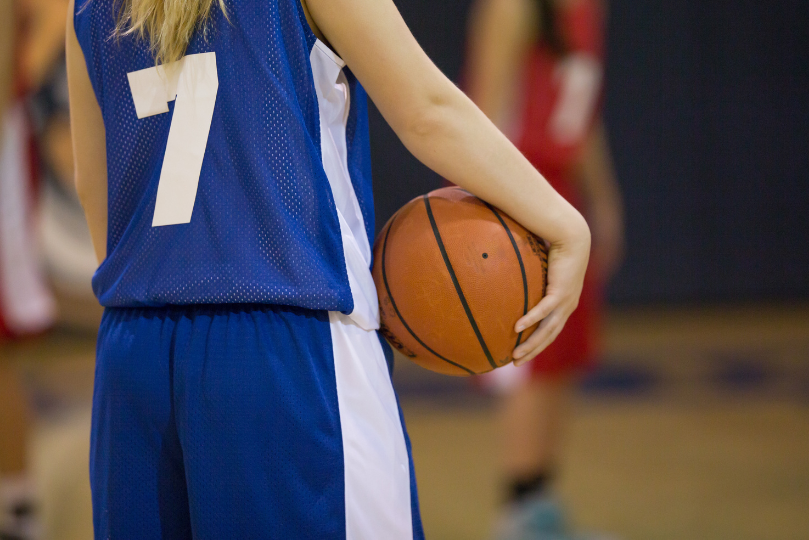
(561,95)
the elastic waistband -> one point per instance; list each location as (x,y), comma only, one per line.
(188,310)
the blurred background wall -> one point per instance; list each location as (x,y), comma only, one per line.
(707,107)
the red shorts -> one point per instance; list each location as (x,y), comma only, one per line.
(574,351)
(577,346)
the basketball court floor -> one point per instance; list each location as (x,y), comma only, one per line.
(696,427)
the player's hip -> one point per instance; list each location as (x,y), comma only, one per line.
(302,397)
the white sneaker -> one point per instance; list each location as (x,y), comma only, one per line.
(537,518)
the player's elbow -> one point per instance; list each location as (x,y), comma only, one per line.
(430,120)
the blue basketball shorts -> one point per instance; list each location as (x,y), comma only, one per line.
(247,422)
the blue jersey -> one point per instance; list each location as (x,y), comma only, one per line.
(240,174)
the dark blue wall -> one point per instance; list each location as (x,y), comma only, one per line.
(440,28)
(707,106)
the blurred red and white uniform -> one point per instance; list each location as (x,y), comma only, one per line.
(26,304)
(560,101)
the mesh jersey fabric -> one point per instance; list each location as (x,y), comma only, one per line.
(264,228)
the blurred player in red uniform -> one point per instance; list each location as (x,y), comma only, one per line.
(536,69)
(26,306)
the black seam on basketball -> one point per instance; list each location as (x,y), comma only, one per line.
(519,258)
(456,283)
(396,309)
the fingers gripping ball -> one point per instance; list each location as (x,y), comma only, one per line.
(453,275)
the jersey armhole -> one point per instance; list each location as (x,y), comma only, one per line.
(311,38)
(82,26)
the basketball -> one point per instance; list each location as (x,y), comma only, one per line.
(454,274)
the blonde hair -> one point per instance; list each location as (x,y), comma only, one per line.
(169,25)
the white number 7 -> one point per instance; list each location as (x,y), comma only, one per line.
(193,81)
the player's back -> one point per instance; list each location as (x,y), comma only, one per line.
(220,195)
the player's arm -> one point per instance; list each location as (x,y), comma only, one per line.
(89,141)
(6,54)
(596,177)
(500,34)
(449,134)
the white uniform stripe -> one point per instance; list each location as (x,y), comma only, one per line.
(334,102)
(377,472)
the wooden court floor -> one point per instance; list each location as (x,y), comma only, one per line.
(696,427)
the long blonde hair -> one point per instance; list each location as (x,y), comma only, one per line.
(168,25)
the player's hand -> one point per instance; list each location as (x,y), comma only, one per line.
(567,263)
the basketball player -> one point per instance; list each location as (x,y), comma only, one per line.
(66,249)
(242,389)
(546,56)
(26,306)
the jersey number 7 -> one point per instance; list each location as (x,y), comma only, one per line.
(193,82)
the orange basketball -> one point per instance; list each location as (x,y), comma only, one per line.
(454,274)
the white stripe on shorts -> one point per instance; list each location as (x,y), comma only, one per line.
(377,466)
